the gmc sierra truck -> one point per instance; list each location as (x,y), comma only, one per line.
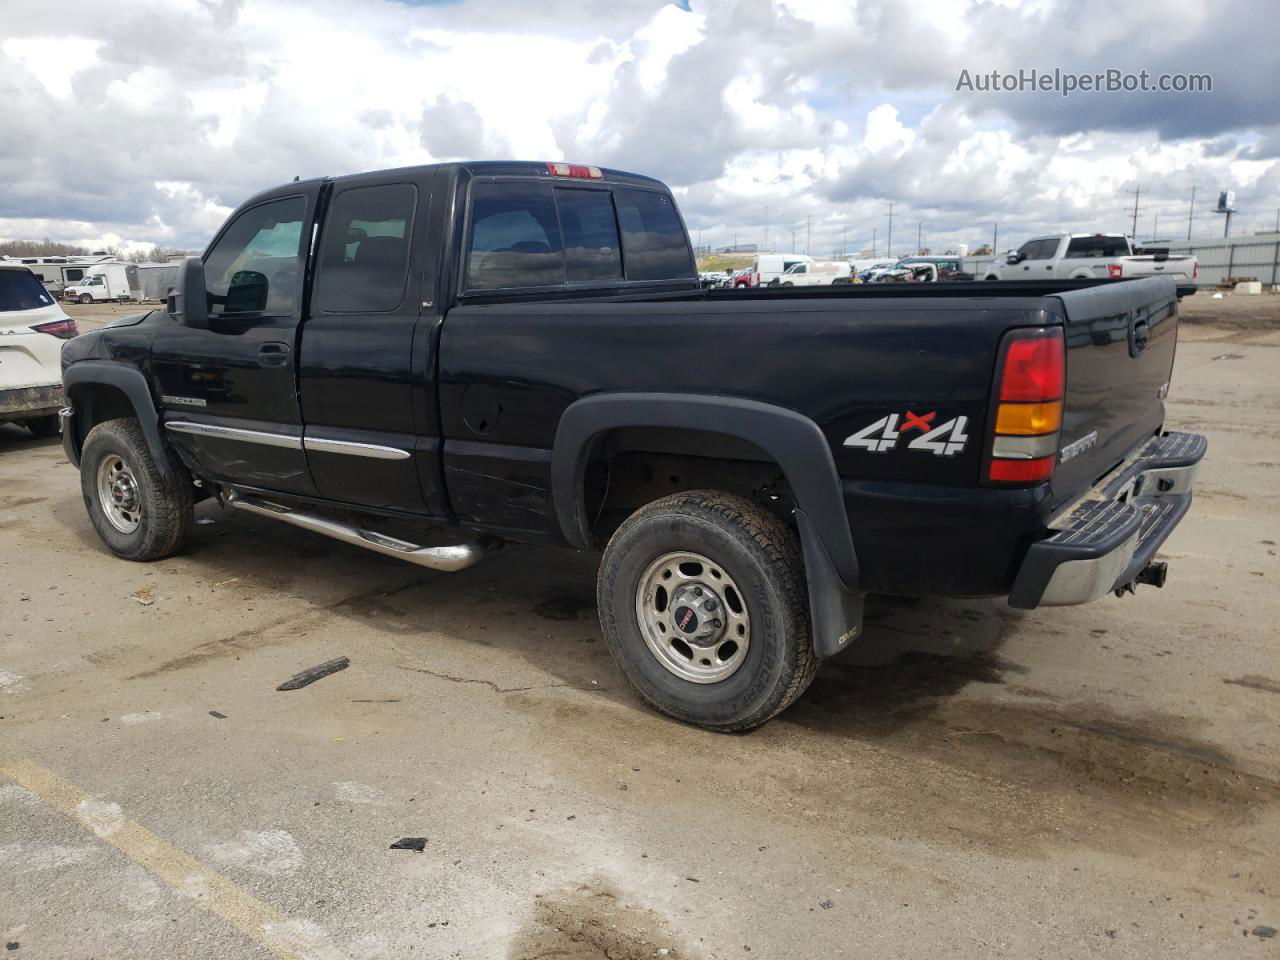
(434,361)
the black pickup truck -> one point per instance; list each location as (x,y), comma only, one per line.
(430,362)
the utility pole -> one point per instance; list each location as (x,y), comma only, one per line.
(1277,219)
(735,241)
(1155,227)
(793,238)
(995,239)
(808,233)
(1136,194)
(888,245)
(874,231)
(1191,212)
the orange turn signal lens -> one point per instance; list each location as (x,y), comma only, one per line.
(1028,419)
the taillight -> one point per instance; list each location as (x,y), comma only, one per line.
(1030,386)
(1195,269)
(578,170)
(1115,271)
(63,329)
(757,281)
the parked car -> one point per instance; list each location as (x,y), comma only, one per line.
(945,268)
(768,267)
(815,273)
(102,282)
(712,278)
(874,268)
(32,330)
(520,352)
(1088,255)
(741,279)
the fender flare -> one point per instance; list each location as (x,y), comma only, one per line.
(792,440)
(134,386)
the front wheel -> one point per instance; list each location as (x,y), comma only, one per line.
(702,602)
(138,512)
(86,298)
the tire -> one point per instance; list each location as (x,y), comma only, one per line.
(749,550)
(787,283)
(86,298)
(47,426)
(161,508)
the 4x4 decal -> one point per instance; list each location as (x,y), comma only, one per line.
(945,440)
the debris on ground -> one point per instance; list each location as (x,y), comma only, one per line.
(410,843)
(219,716)
(311,675)
(143,596)
(1265,933)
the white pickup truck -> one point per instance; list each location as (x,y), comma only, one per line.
(1076,256)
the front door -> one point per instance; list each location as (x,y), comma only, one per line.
(228,393)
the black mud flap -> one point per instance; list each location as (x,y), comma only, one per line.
(835,611)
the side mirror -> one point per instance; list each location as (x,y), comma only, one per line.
(1013,257)
(188,302)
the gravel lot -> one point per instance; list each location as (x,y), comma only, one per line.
(969,781)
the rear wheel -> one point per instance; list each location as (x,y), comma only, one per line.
(47,426)
(138,512)
(703,605)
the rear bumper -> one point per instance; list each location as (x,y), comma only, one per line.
(1107,541)
(20,403)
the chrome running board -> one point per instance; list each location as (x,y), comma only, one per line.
(449,558)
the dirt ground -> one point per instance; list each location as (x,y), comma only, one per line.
(970,781)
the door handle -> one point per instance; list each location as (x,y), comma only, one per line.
(273,354)
(1049,267)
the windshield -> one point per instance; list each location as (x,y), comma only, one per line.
(20,290)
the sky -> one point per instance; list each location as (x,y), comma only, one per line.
(137,123)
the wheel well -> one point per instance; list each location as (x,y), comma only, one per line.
(628,467)
(97,403)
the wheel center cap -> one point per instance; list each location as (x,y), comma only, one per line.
(685,619)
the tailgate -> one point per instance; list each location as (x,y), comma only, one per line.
(1120,343)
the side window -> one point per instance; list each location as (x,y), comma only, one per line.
(1045,249)
(73,275)
(1084,248)
(364,259)
(590,229)
(1028,249)
(654,245)
(515,237)
(254,266)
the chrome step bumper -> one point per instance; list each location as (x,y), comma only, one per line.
(1107,541)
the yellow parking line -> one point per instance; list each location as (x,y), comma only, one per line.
(273,931)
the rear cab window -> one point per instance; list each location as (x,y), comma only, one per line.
(534,235)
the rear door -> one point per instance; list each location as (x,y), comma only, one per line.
(366,369)
(1120,340)
(228,393)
